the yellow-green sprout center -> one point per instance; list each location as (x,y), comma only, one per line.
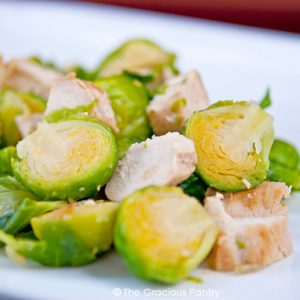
(58,150)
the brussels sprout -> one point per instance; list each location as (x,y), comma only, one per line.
(5,160)
(70,159)
(233,142)
(69,236)
(284,162)
(12,193)
(194,186)
(135,55)
(163,234)
(13,104)
(129,101)
(26,210)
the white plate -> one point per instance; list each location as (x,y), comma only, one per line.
(235,62)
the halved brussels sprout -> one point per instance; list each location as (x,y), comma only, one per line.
(70,159)
(135,55)
(69,236)
(13,104)
(163,234)
(5,160)
(129,101)
(284,162)
(233,142)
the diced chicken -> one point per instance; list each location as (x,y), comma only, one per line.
(70,92)
(254,227)
(27,76)
(184,95)
(27,123)
(163,161)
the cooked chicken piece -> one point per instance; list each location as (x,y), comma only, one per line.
(184,94)
(70,92)
(254,227)
(27,76)
(162,161)
(27,123)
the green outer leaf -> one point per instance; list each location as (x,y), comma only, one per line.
(28,209)
(12,193)
(284,154)
(280,173)
(129,101)
(64,113)
(72,189)
(56,251)
(194,186)
(5,160)
(266,100)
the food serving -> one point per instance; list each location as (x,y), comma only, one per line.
(133,155)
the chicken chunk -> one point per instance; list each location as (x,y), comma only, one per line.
(27,76)
(163,161)
(254,227)
(70,92)
(184,95)
(27,123)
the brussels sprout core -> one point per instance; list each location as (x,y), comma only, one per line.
(233,141)
(163,234)
(66,160)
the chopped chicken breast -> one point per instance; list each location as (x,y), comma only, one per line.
(70,92)
(184,95)
(27,123)
(162,161)
(27,76)
(254,227)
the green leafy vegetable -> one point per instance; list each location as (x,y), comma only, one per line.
(266,100)
(194,187)
(284,164)
(12,193)
(5,160)
(26,210)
